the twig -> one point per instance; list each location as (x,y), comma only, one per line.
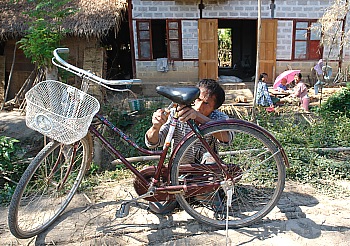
(8,179)
(87,198)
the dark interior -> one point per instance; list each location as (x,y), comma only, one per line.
(118,51)
(244,37)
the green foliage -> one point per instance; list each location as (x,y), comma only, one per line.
(10,169)
(225,47)
(8,155)
(135,126)
(45,31)
(6,193)
(338,104)
(301,141)
(318,169)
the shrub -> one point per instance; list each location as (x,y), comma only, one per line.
(10,168)
(338,104)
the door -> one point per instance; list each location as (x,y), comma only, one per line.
(268,44)
(208,48)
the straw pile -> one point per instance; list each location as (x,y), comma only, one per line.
(93,18)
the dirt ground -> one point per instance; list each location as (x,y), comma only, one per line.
(302,217)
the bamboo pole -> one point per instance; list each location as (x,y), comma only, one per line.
(156,157)
(257,61)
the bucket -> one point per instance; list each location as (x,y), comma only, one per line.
(137,104)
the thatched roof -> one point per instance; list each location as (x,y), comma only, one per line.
(93,19)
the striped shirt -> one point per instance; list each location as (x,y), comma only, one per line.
(181,130)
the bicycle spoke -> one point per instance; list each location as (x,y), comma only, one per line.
(47,187)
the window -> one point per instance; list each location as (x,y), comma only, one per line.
(306,42)
(159,39)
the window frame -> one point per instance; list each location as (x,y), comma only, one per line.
(178,39)
(150,36)
(308,40)
(139,39)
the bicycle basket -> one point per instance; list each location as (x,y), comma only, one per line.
(60,111)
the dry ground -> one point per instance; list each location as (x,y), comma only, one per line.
(302,217)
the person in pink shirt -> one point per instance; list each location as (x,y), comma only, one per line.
(300,91)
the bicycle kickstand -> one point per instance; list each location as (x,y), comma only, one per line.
(125,206)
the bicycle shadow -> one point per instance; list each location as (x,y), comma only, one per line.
(142,227)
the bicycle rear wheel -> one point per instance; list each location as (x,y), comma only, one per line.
(255,163)
(47,186)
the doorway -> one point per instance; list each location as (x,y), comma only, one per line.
(237,48)
(118,51)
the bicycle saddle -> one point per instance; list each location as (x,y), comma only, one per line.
(180,95)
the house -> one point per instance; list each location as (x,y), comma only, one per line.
(177,40)
(98,40)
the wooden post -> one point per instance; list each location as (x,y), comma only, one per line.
(257,60)
(10,76)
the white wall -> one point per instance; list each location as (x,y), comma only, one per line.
(188,11)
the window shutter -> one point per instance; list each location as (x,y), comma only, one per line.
(174,39)
(144,39)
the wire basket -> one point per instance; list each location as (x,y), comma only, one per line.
(60,111)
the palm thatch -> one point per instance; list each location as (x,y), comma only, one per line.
(93,18)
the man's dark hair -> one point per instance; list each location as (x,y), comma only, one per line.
(300,76)
(214,89)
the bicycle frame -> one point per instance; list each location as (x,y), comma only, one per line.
(161,153)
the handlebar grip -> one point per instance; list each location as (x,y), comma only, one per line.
(62,50)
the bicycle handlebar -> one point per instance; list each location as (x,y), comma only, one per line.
(59,62)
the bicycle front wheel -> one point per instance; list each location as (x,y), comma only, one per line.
(47,186)
(255,164)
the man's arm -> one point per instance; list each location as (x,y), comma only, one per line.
(159,118)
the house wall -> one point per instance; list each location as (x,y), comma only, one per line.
(22,68)
(285,12)
(79,49)
(187,10)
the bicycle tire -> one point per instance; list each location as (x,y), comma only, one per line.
(35,205)
(257,189)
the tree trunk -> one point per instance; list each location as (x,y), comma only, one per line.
(51,73)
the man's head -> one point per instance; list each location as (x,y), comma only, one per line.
(212,96)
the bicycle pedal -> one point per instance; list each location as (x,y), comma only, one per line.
(123,211)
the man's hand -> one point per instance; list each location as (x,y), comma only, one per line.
(159,118)
(186,113)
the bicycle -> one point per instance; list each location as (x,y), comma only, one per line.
(232,185)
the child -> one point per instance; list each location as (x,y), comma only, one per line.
(282,87)
(300,91)
(263,97)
